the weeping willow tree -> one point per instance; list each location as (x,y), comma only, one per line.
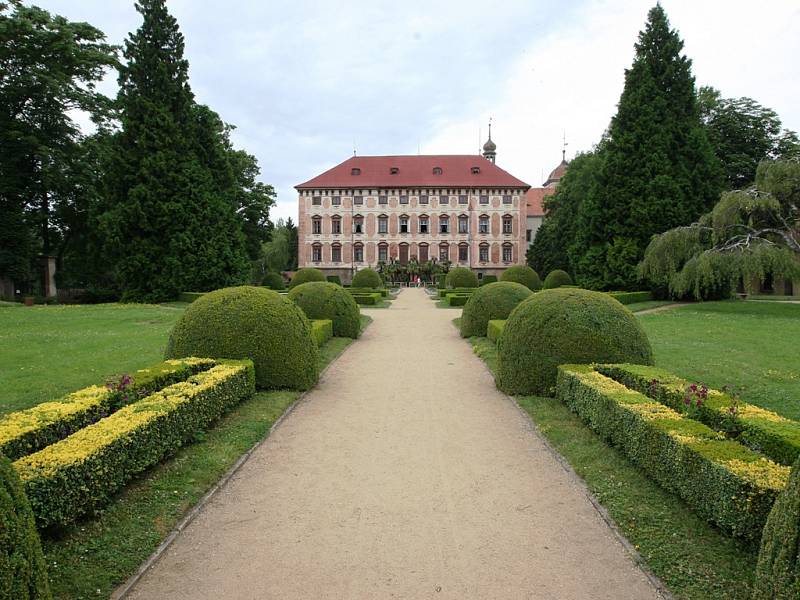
(749,235)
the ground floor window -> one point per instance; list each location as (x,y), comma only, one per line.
(463,253)
(316,253)
(483,253)
(383,253)
(507,254)
(444,252)
(336,254)
(358,253)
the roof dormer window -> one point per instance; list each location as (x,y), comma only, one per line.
(437,170)
(394,170)
(476,170)
(355,171)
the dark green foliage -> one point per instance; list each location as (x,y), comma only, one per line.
(189,296)
(631,297)
(334,279)
(778,570)
(254,323)
(658,168)
(556,327)
(367,278)
(464,291)
(305,275)
(324,300)
(461,277)
(457,299)
(273,281)
(367,299)
(556,279)
(23,572)
(524,275)
(488,302)
(487,279)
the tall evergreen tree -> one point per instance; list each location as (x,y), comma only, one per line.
(171,223)
(659,169)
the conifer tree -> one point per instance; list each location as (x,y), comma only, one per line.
(659,170)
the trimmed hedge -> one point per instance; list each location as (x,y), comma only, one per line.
(305,275)
(721,480)
(556,327)
(255,323)
(274,281)
(456,299)
(80,473)
(23,571)
(524,275)
(27,431)
(323,300)
(487,279)
(461,277)
(443,293)
(321,331)
(493,301)
(367,278)
(631,297)
(556,279)
(439,279)
(778,569)
(494,329)
(382,291)
(334,279)
(368,299)
(762,430)
(190,296)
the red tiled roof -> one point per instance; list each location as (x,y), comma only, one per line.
(415,171)
(534,200)
(557,173)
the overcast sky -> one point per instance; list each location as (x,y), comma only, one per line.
(305,82)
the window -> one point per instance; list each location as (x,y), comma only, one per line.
(423,199)
(383,252)
(358,199)
(476,170)
(358,224)
(336,225)
(403,224)
(355,171)
(463,253)
(462,199)
(316,225)
(483,224)
(508,226)
(528,235)
(507,253)
(316,201)
(444,224)
(394,170)
(484,199)
(444,199)
(506,199)
(483,253)
(437,170)
(358,253)
(444,252)
(316,253)
(336,200)
(403,199)
(463,224)
(336,253)
(383,200)
(383,224)
(423,253)
(423,225)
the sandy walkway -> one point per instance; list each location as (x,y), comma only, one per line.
(404,474)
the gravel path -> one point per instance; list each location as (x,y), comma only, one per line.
(403,474)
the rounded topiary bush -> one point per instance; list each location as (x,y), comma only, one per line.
(487,279)
(23,573)
(273,281)
(367,278)
(322,300)
(305,275)
(556,327)
(522,274)
(778,570)
(461,277)
(254,323)
(556,279)
(492,301)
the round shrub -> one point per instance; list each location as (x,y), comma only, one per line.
(334,279)
(367,278)
(322,300)
(461,277)
(556,279)
(273,281)
(487,279)
(522,274)
(23,573)
(254,323)
(778,570)
(305,275)
(556,327)
(492,301)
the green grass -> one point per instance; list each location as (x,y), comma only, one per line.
(649,304)
(750,345)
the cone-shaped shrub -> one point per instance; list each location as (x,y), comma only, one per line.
(461,277)
(254,323)
(273,281)
(566,326)
(322,300)
(306,275)
(778,570)
(556,279)
(522,274)
(23,574)
(492,301)
(367,278)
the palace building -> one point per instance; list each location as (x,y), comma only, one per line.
(370,209)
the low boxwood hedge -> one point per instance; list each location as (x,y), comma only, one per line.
(556,279)
(367,278)
(463,291)
(321,331)
(305,275)
(493,301)
(79,474)
(524,275)
(457,299)
(495,328)
(367,299)
(762,430)
(23,571)
(631,297)
(27,431)
(323,300)
(461,277)
(382,291)
(723,481)
(190,296)
(274,281)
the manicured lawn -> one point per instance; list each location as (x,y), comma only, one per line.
(648,305)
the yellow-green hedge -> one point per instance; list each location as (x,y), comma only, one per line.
(723,481)
(495,328)
(321,331)
(79,474)
(27,431)
(762,430)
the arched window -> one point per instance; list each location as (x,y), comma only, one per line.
(316,252)
(463,224)
(483,224)
(508,224)
(444,224)
(383,224)
(336,225)
(404,227)
(316,224)
(336,252)
(424,224)
(437,170)
(358,252)
(383,252)
(483,252)
(423,252)
(444,251)
(358,224)
(508,253)
(463,252)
